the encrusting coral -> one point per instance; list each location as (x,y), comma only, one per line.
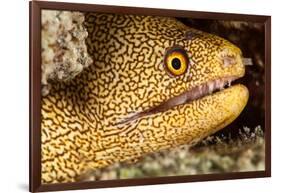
(64,52)
(215,154)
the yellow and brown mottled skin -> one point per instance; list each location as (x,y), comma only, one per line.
(81,119)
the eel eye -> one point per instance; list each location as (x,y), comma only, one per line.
(176,61)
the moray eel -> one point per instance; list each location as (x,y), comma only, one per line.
(155,83)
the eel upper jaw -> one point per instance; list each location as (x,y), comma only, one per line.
(186,97)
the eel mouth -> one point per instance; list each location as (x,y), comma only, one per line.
(195,93)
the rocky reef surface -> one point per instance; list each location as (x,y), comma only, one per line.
(64,52)
(215,154)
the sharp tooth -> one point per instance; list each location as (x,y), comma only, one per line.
(247,61)
(200,89)
(229,83)
(211,87)
(224,84)
(221,85)
(217,83)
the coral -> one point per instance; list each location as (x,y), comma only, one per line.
(64,52)
(212,155)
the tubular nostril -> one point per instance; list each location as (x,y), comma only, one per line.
(247,61)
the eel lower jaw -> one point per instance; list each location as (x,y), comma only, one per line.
(195,93)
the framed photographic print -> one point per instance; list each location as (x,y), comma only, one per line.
(123,96)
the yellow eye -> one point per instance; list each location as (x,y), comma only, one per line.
(176,61)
